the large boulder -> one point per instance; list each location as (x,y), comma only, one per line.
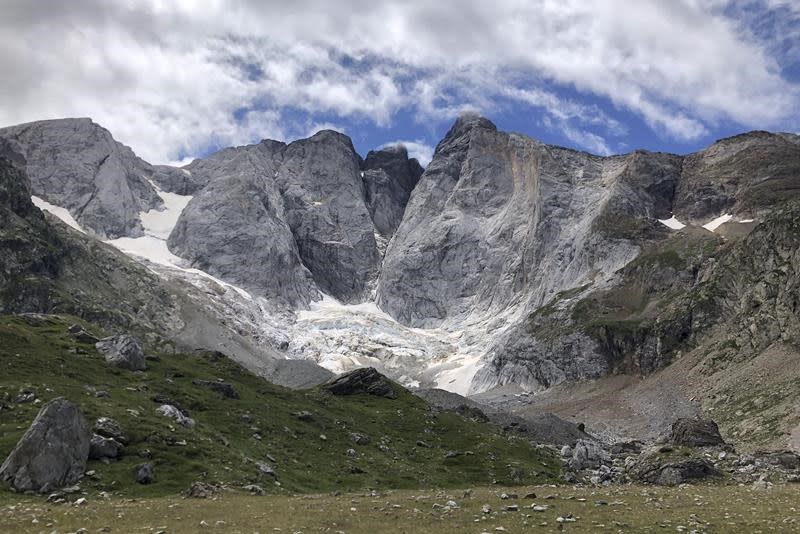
(122,351)
(366,380)
(671,470)
(53,451)
(688,432)
(101,448)
(588,454)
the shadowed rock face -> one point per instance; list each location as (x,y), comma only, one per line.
(52,453)
(389,177)
(76,164)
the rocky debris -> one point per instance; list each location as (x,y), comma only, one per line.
(145,473)
(53,451)
(226,390)
(104,448)
(365,380)
(389,177)
(109,428)
(695,433)
(122,351)
(201,490)
(359,439)
(254,489)
(77,165)
(168,410)
(266,469)
(304,415)
(588,454)
(669,469)
(82,335)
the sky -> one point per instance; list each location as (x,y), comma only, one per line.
(177,79)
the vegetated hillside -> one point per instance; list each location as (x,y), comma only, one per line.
(409,445)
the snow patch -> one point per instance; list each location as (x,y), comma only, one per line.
(716,223)
(61,213)
(673,223)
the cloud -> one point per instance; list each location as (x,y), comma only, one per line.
(174,78)
(416,149)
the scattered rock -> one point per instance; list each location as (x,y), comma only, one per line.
(101,447)
(200,490)
(122,351)
(226,390)
(304,415)
(266,469)
(168,410)
(359,439)
(109,428)
(695,433)
(82,335)
(254,489)
(53,451)
(145,473)
(366,380)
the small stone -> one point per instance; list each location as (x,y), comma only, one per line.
(511,508)
(486,509)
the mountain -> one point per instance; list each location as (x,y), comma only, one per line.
(506,266)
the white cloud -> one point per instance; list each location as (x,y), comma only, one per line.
(172,78)
(416,149)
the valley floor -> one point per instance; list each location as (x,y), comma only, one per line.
(701,508)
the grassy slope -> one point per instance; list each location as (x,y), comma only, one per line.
(222,448)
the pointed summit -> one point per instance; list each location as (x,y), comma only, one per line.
(467,121)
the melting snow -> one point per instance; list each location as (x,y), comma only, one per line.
(61,213)
(716,223)
(673,223)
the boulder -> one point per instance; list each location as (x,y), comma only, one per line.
(82,335)
(695,433)
(168,410)
(226,390)
(101,447)
(671,471)
(359,439)
(122,351)
(200,490)
(108,428)
(366,380)
(53,451)
(588,455)
(145,473)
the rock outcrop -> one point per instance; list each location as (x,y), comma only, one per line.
(52,453)
(389,178)
(122,351)
(77,165)
(365,380)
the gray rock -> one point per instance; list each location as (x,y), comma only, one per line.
(101,447)
(82,335)
(201,490)
(323,194)
(76,164)
(145,473)
(389,177)
(122,351)
(226,390)
(365,380)
(695,433)
(588,455)
(235,228)
(109,428)
(671,471)
(254,489)
(266,469)
(53,451)
(359,439)
(168,410)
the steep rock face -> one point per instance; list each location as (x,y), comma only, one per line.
(323,195)
(273,213)
(499,220)
(235,227)
(744,175)
(389,177)
(76,164)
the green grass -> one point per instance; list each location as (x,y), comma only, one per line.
(223,447)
